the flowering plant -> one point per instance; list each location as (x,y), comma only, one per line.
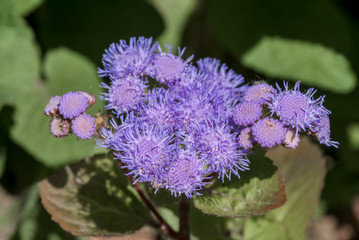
(190,129)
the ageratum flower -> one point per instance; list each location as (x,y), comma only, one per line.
(322,131)
(167,68)
(296,109)
(83,126)
(52,107)
(122,59)
(246,113)
(186,175)
(224,82)
(245,138)
(72,104)
(123,94)
(268,132)
(259,92)
(220,150)
(291,139)
(146,151)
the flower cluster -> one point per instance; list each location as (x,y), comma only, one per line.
(178,123)
(68,115)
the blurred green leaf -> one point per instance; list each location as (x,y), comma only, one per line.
(89,26)
(24,7)
(66,70)
(258,191)
(20,62)
(175,14)
(258,228)
(304,171)
(353,135)
(9,210)
(240,24)
(297,60)
(93,198)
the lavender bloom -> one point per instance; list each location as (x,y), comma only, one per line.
(246,113)
(146,151)
(52,107)
(245,138)
(322,131)
(122,59)
(224,82)
(91,98)
(220,150)
(296,109)
(259,92)
(158,108)
(83,126)
(123,94)
(167,68)
(186,175)
(268,132)
(72,104)
(59,127)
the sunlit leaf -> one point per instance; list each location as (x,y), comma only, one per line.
(313,64)
(258,191)
(92,198)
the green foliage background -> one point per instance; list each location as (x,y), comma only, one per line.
(50,47)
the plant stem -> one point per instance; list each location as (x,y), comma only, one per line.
(184,218)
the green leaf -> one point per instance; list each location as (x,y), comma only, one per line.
(265,229)
(93,198)
(176,14)
(311,63)
(304,171)
(353,135)
(66,70)
(20,62)
(258,191)
(9,210)
(25,7)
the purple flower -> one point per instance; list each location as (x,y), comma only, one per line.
(52,107)
(322,131)
(146,151)
(121,59)
(260,92)
(73,104)
(59,127)
(158,108)
(186,175)
(83,126)
(220,150)
(123,94)
(246,113)
(268,132)
(91,98)
(296,109)
(167,68)
(245,138)
(223,82)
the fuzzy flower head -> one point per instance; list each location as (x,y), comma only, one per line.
(167,68)
(220,150)
(297,109)
(123,94)
(322,131)
(186,175)
(246,113)
(268,132)
(52,107)
(122,59)
(259,92)
(72,104)
(158,109)
(146,151)
(245,138)
(291,139)
(83,126)
(59,127)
